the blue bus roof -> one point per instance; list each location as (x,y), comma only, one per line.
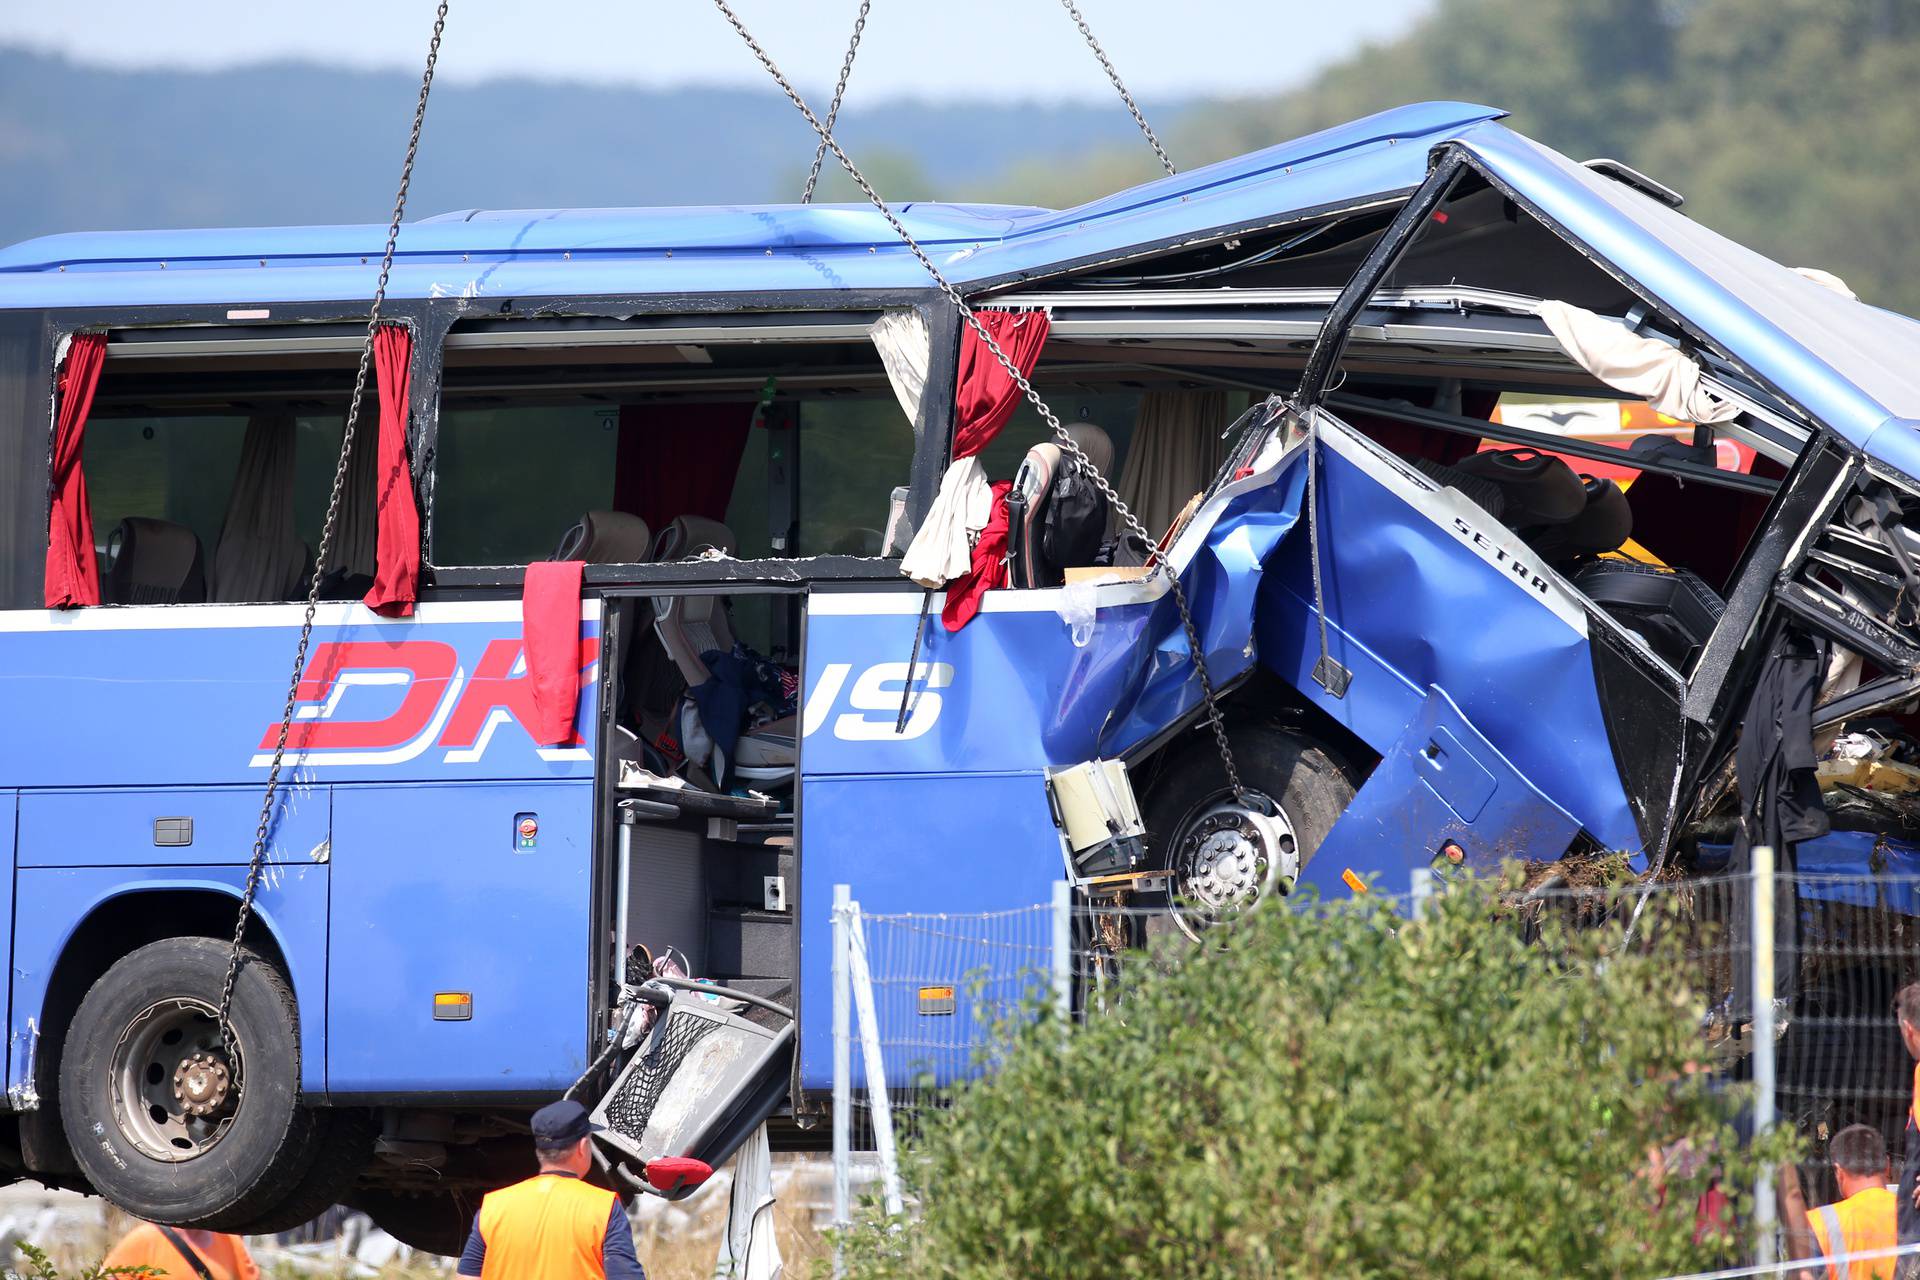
(722,249)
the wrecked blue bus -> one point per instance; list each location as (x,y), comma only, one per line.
(1342,381)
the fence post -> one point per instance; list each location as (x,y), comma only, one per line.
(1063,949)
(877,1100)
(1761,910)
(842,1068)
(1422,890)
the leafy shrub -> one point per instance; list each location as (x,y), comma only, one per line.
(41,1267)
(1339,1092)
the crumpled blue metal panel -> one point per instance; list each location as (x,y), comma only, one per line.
(1442,781)
(1413,604)
(525,253)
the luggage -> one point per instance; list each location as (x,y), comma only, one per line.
(1673,610)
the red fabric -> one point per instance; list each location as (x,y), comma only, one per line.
(985,397)
(989,564)
(550,624)
(396,570)
(73,573)
(679,460)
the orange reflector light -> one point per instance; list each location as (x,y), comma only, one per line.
(1354,882)
(936,1002)
(1453,853)
(452,1006)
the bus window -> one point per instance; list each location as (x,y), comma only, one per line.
(208,482)
(793,447)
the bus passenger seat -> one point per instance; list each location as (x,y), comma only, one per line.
(153,561)
(1057,517)
(690,626)
(606,537)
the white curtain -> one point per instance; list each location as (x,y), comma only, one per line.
(1647,368)
(1175,451)
(260,557)
(748,1248)
(905,349)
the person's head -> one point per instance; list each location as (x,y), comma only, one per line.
(1907,1006)
(562,1137)
(1859,1156)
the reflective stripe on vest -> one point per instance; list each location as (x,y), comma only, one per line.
(1836,1241)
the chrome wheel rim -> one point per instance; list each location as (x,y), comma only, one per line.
(1227,859)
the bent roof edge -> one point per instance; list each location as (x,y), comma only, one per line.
(1192,199)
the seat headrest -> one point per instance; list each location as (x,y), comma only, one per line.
(1094,442)
(606,537)
(690,536)
(153,561)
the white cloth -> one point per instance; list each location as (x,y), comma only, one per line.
(1828,279)
(905,349)
(748,1247)
(1649,368)
(942,548)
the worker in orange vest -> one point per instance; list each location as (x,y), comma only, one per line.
(1864,1218)
(554,1225)
(183,1253)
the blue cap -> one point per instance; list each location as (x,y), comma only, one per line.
(559,1123)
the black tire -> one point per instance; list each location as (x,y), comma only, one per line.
(1306,779)
(432,1222)
(344,1140)
(270,1140)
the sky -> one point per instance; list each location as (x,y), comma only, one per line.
(1028,48)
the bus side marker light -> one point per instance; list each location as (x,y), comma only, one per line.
(936,1002)
(453,1006)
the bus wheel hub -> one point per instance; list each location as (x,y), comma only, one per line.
(200,1083)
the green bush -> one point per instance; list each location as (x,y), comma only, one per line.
(1339,1092)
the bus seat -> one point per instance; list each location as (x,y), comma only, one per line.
(606,537)
(1057,518)
(692,625)
(686,537)
(153,561)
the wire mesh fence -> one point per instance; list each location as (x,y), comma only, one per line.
(1823,1051)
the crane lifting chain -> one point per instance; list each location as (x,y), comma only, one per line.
(839,95)
(1133,108)
(1066,441)
(256,864)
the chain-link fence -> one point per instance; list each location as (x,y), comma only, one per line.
(1796,972)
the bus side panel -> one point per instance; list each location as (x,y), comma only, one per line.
(54,901)
(438,890)
(925,843)
(208,826)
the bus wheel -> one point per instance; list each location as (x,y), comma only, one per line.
(160,1121)
(1206,838)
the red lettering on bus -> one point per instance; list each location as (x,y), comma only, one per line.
(425,667)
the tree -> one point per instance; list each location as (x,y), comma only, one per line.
(1337,1091)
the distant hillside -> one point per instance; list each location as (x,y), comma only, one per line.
(1793,126)
(83,148)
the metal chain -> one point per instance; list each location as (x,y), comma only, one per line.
(1114,76)
(1067,443)
(258,860)
(839,93)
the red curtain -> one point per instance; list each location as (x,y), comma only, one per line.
(396,573)
(550,625)
(73,572)
(679,460)
(985,397)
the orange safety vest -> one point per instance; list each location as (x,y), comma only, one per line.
(1859,1224)
(546,1228)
